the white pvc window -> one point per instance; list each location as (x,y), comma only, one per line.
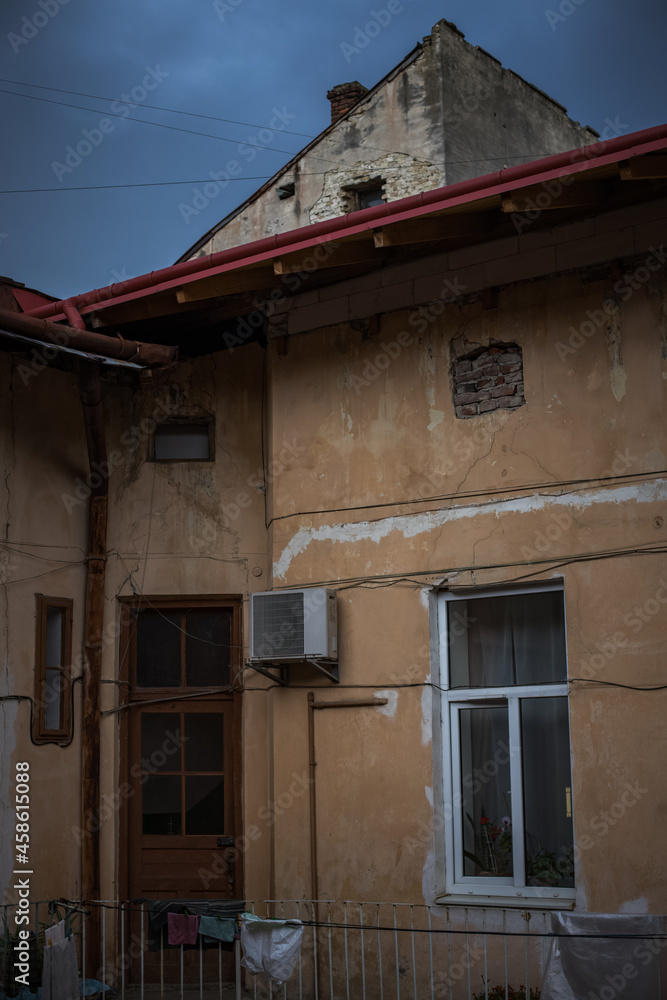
(507,776)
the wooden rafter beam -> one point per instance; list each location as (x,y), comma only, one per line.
(644,168)
(555,194)
(230,283)
(444,227)
(326,256)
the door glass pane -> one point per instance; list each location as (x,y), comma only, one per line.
(204,804)
(502,641)
(486,815)
(161,805)
(547,788)
(158,649)
(52,688)
(55,618)
(207,649)
(204,748)
(160,741)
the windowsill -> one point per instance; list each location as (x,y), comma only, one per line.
(506,902)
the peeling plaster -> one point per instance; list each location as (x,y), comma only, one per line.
(389,709)
(616,371)
(436,416)
(428,792)
(635,906)
(410,526)
(427,714)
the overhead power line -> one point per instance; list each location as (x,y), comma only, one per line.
(108,187)
(153,107)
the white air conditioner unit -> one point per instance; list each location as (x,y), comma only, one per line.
(288,626)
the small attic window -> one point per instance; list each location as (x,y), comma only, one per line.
(370,197)
(185,442)
(285,190)
(366,194)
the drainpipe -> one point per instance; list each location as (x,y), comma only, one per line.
(93,416)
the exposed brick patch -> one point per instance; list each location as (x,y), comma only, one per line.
(488,379)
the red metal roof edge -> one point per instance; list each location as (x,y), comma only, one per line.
(465,192)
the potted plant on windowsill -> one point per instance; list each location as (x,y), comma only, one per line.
(543,868)
(493,846)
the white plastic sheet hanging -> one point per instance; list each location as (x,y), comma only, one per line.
(270,947)
(622,968)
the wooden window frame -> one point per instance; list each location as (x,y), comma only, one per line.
(40,732)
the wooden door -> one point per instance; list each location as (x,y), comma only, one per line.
(181,819)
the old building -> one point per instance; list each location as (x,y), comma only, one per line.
(448,412)
(448,112)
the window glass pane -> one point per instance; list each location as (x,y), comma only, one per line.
(486,814)
(161,805)
(547,788)
(207,647)
(55,623)
(160,741)
(203,742)
(503,641)
(52,699)
(158,649)
(181,442)
(204,804)
(370,197)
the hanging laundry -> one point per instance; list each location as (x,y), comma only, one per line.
(215,929)
(270,946)
(182,929)
(55,933)
(60,972)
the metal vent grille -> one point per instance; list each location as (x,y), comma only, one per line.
(277,627)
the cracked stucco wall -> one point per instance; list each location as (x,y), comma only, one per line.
(390,482)
(42,446)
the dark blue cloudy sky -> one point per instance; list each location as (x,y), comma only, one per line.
(244,60)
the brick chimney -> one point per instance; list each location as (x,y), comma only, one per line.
(345,96)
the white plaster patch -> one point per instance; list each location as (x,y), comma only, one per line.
(392,703)
(437,416)
(428,878)
(427,714)
(428,792)
(424,597)
(410,526)
(635,906)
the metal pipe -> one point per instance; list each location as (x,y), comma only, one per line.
(150,355)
